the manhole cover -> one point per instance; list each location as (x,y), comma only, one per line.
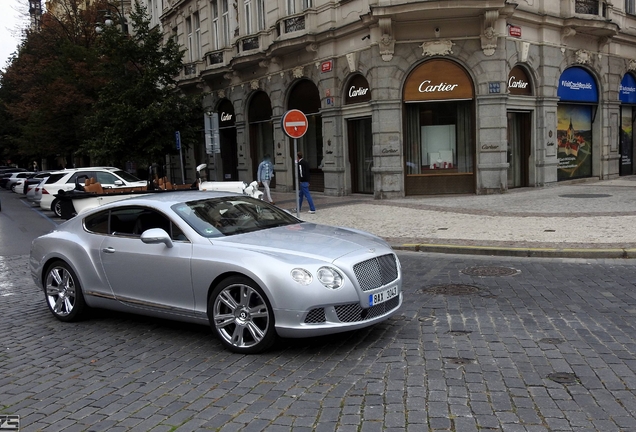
(459,360)
(459,332)
(583,195)
(451,289)
(490,271)
(563,377)
(551,341)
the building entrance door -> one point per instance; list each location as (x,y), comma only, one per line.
(361,155)
(519,134)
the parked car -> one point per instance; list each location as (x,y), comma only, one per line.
(5,170)
(247,268)
(36,195)
(15,177)
(4,178)
(34,180)
(108,177)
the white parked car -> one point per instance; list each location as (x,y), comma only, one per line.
(67,180)
(34,192)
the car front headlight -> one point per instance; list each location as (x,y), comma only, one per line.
(330,277)
(301,276)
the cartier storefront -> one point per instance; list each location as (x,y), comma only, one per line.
(439,145)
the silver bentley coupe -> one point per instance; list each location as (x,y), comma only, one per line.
(250,270)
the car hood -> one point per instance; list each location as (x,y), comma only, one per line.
(308,239)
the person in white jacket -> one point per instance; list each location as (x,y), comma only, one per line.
(264,175)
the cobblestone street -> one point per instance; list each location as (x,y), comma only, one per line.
(473,349)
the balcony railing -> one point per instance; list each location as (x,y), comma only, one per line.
(215,58)
(190,69)
(294,24)
(250,43)
(591,7)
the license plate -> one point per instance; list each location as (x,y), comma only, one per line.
(383,296)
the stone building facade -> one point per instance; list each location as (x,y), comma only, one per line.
(412,97)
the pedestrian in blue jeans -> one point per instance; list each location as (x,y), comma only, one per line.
(303,179)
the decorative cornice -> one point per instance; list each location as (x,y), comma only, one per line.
(387,43)
(437,47)
(582,57)
(489,36)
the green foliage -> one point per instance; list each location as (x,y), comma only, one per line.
(139,107)
(112,97)
(49,86)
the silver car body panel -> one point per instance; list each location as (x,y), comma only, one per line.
(124,273)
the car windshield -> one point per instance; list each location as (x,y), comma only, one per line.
(216,217)
(126,176)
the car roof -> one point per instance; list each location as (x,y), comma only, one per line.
(169,198)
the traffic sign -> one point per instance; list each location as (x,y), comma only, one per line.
(294,123)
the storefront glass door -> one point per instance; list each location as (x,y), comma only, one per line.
(518,149)
(361,155)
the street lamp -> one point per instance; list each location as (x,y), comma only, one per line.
(108,22)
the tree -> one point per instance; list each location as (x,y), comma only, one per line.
(139,107)
(49,85)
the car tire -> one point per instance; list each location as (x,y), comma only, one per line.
(56,207)
(13,187)
(63,292)
(241,316)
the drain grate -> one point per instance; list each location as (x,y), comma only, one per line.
(451,289)
(584,195)
(459,360)
(490,271)
(563,377)
(459,332)
(553,341)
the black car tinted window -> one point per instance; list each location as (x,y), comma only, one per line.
(97,223)
(54,178)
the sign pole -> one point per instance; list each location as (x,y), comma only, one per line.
(295,125)
(296,177)
(178,138)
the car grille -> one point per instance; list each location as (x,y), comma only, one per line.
(376,272)
(353,312)
(315,316)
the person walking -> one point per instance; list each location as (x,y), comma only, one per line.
(264,175)
(303,179)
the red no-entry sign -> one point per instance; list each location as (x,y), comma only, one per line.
(294,123)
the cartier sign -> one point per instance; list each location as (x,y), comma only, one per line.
(518,82)
(357,90)
(438,79)
(226,113)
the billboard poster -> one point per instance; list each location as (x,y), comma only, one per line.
(574,137)
(626,140)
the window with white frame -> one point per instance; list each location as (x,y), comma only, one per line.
(197,35)
(248,16)
(225,22)
(189,40)
(295,5)
(630,7)
(260,14)
(216,32)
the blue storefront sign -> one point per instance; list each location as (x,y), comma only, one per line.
(577,85)
(627,89)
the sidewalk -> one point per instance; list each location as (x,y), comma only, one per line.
(590,219)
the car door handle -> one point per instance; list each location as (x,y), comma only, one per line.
(108,250)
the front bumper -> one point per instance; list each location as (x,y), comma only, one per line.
(333,319)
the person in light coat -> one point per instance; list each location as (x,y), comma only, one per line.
(264,175)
